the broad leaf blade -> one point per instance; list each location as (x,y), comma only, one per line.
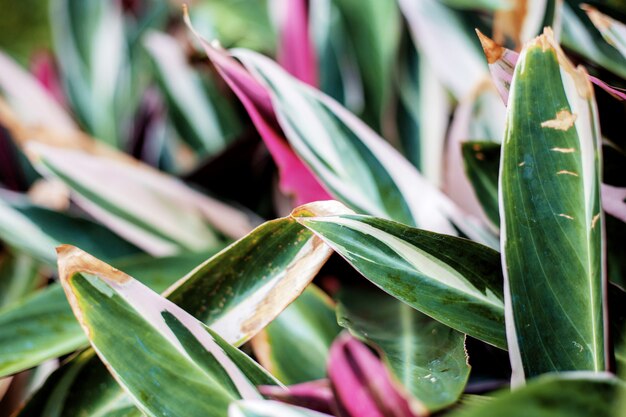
(43,327)
(551,221)
(421,269)
(169,342)
(427,357)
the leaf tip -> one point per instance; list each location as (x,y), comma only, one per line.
(321,209)
(492,50)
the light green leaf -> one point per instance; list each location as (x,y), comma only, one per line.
(551,220)
(294,347)
(37,230)
(581,36)
(613,31)
(575,394)
(445,39)
(89,38)
(189,105)
(426,357)
(19,276)
(160,345)
(374,31)
(42,326)
(453,280)
(155,211)
(482,162)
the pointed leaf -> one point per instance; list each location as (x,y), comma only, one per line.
(42,326)
(453,280)
(155,211)
(169,343)
(551,221)
(425,356)
(613,31)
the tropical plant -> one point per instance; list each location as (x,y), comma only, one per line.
(449,210)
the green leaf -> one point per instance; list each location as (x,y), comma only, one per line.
(373,26)
(482,162)
(227,294)
(42,326)
(575,394)
(425,356)
(37,230)
(159,346)
(351,161)
(294,346)
(612,31)
(189,105)
(453,280)
(155,211)
(444,37)
(19,276)
(94,60)
(551,221)
(581,36)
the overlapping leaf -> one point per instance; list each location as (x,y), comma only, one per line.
(551,220)
(172,345)
(421,269)
(425,356)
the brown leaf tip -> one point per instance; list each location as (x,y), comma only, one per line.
(492,50)
(321,209)
(72,260)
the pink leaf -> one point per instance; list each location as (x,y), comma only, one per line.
(44,70)
(295,178)
(314,395)
(362,385)
(296,51)
(614,201)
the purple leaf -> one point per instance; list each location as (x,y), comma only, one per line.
(295,178)
(296,51)
(362,385)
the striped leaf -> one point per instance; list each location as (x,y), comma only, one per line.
(453,280)
(294,346)
(427,357)
(576,394)
(237,292)
(159,346)
(436,28)
(156,212)
(551,220)
(354,163)
(42,326)
(612,31)
(20,275)
(582,37)
(189,105)
(315,395)
(37,230)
